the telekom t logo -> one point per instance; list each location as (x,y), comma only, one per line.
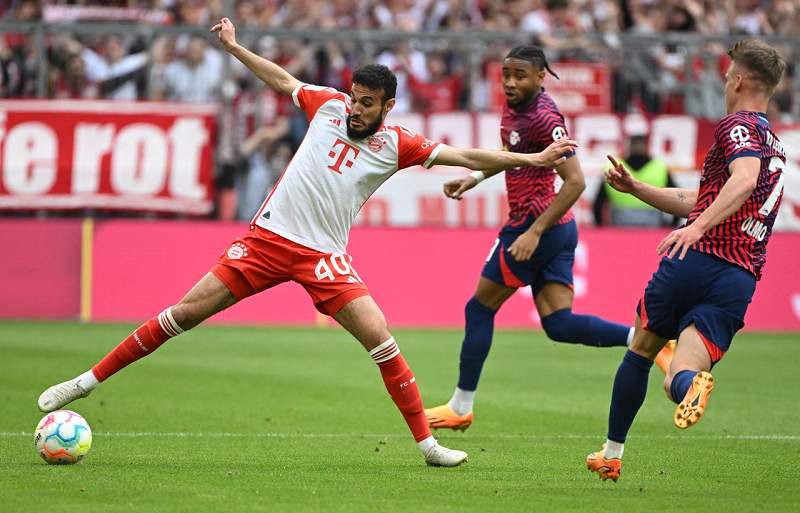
(341,154)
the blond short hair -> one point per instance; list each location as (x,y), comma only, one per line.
(763,62)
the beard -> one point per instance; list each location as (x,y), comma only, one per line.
(365,132)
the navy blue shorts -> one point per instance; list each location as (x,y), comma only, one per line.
(701,289)
(552,260)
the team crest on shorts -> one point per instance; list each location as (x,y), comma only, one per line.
(375,144)
(513,138)
(238,250)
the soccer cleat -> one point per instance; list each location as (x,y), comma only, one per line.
(443,457)
(694,403)
(607,469)
(664,357)
(57,396)
(443,417)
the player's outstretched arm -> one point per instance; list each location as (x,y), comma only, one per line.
(744,176)
(490,162)
(269,72)
(672,200)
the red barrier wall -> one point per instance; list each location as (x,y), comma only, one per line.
(40,269)
(419,277)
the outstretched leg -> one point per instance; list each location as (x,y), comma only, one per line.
(205,299)
(554,304)
(365,321)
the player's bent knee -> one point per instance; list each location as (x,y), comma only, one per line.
(557,326)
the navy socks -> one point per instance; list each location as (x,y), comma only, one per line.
(630,389)
(565,326)
(477,342)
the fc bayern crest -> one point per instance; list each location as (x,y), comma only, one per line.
(513,138)
(237,251)
(375,144)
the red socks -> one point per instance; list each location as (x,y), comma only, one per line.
(402,387)
(144,340)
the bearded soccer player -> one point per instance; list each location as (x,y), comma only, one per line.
(301,231)
(536,246)
(710,267)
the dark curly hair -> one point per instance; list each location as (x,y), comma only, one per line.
(532,54)
(375,77)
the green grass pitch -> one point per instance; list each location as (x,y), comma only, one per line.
(243,418)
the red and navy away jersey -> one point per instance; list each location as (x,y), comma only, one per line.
(742,238)
(532,189)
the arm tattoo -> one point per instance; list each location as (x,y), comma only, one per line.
(681,196)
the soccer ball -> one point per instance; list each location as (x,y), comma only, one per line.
(63,437)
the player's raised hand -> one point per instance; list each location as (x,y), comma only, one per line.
(555,154)
(619,177)
(227,32)
(455,188)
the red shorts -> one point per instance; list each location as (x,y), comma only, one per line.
(262,259)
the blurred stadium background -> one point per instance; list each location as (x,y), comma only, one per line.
(133,149)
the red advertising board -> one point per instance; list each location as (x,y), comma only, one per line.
(106,155)
(582,88)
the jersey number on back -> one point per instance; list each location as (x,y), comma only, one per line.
(776,165)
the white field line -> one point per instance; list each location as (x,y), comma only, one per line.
(385,435)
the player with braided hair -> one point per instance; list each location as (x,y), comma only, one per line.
(536,246)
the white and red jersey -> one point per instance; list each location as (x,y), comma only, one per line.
(331,176)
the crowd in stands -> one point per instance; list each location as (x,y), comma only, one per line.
(263,129)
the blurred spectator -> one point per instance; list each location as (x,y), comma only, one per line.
(747,17)
(402,60)
(612,207)
(73,81)
(195,78)
(121,76)
(11,78)
(267,153)
(556,18)
(782,16)
(441,92)
(452,15)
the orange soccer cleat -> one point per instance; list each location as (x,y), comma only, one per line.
(694,403)
(664,357)
(607,469)
(443,417)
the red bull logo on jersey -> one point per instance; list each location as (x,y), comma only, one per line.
(513,138)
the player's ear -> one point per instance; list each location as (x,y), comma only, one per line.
(388,106)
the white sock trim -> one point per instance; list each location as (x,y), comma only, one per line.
(427,445)
(385,351)
(462,401)
(168,323)
(88,380)
(613,450)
